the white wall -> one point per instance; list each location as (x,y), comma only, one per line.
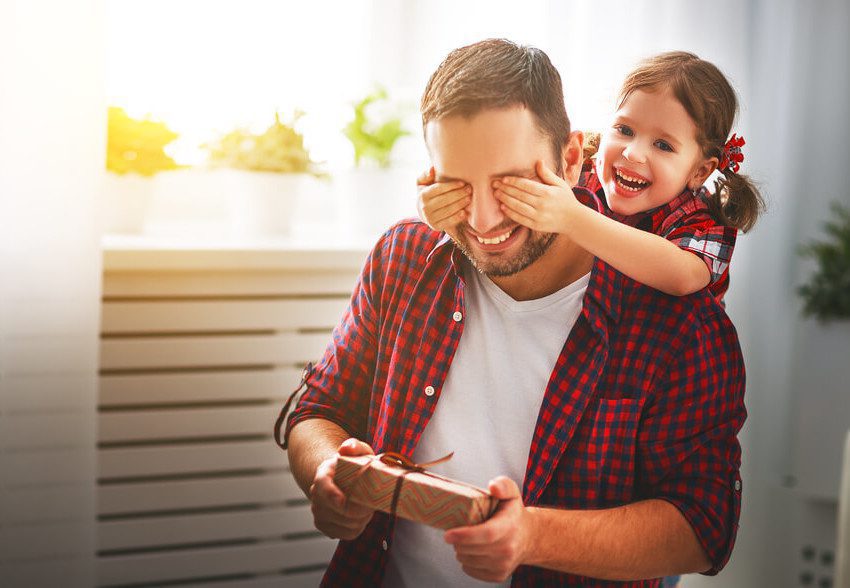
(52,144)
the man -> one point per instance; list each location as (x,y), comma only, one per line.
(615,407)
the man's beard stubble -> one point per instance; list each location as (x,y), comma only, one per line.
(533,249)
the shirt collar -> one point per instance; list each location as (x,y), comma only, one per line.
(604,291)
(455,255)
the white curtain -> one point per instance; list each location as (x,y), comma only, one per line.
(52,145)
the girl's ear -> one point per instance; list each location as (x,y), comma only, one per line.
(702,171)
(573,157)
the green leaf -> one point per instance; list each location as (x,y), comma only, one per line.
(827,294)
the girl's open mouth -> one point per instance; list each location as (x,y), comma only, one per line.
(630,182)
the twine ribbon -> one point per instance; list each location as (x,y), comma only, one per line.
(392,458)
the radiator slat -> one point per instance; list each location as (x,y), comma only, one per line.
(219,561)
(213,351)
(183,494)
(302,580)
(186,423)
(202,528)
(190,459)
(140,389)
(126,284)
(226,315)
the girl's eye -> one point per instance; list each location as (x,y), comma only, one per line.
(664,146)
(624,130)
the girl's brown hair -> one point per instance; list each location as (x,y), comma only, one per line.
(706,95)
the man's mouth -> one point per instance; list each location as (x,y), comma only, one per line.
(629,181)
(495,240)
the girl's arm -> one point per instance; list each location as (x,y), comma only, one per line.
(645,257)
(648,258)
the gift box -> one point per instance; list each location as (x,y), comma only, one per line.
(423,497)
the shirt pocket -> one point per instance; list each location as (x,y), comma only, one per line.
(614,445)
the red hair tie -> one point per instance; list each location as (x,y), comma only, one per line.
(732,155)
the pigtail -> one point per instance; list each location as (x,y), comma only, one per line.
(736,201)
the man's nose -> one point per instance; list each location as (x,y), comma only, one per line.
(484,211)
(635,151)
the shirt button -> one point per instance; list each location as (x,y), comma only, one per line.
(457,316)
(384,545)
(429,390)
(737,485)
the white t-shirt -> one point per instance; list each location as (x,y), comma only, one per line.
(487,411)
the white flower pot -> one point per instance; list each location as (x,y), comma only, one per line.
(264,203)
(125,203)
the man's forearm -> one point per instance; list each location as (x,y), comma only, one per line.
(646,539)
(310,443)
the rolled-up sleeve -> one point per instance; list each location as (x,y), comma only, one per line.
(690,454)
(339,386)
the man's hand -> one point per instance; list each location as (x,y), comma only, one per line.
(333,514)
(541,206)
(492,550)
(442,205)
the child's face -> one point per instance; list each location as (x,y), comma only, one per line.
(650,153)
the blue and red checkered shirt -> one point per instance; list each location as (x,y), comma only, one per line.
(685,221)
(645,400)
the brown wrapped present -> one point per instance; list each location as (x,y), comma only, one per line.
(418,495)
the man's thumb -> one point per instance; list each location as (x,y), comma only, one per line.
(352,447)
(504,488)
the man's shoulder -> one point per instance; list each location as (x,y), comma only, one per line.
(408,242)
(682,315)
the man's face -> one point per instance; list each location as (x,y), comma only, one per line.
(478,150)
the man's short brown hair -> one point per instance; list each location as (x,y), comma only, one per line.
(497,73)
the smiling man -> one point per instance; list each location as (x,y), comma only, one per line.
(602,413)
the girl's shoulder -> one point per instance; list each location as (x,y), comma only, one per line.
(587,178)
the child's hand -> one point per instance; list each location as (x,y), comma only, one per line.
(541,206)
(442,205)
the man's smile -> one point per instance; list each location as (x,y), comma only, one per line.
(495,240)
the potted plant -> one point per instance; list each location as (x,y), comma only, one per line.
(373,133)
(826,296)
(821,370)
(266,173)
(135,152)
(375,192)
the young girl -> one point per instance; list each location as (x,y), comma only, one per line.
(660,225)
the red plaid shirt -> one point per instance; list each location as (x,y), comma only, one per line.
(686,221)
(645,400)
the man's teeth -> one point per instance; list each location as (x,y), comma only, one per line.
(494,240)
(630,183)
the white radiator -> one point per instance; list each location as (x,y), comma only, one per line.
(195,365)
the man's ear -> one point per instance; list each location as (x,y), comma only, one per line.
(572,157)
(704,169)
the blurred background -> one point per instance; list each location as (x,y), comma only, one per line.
(189,188)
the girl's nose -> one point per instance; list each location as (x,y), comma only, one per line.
(634,151)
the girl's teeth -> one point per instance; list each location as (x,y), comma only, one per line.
(635,184)
(494,240)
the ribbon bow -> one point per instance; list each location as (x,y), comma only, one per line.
(402,461)
(391,458)
(732,155)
